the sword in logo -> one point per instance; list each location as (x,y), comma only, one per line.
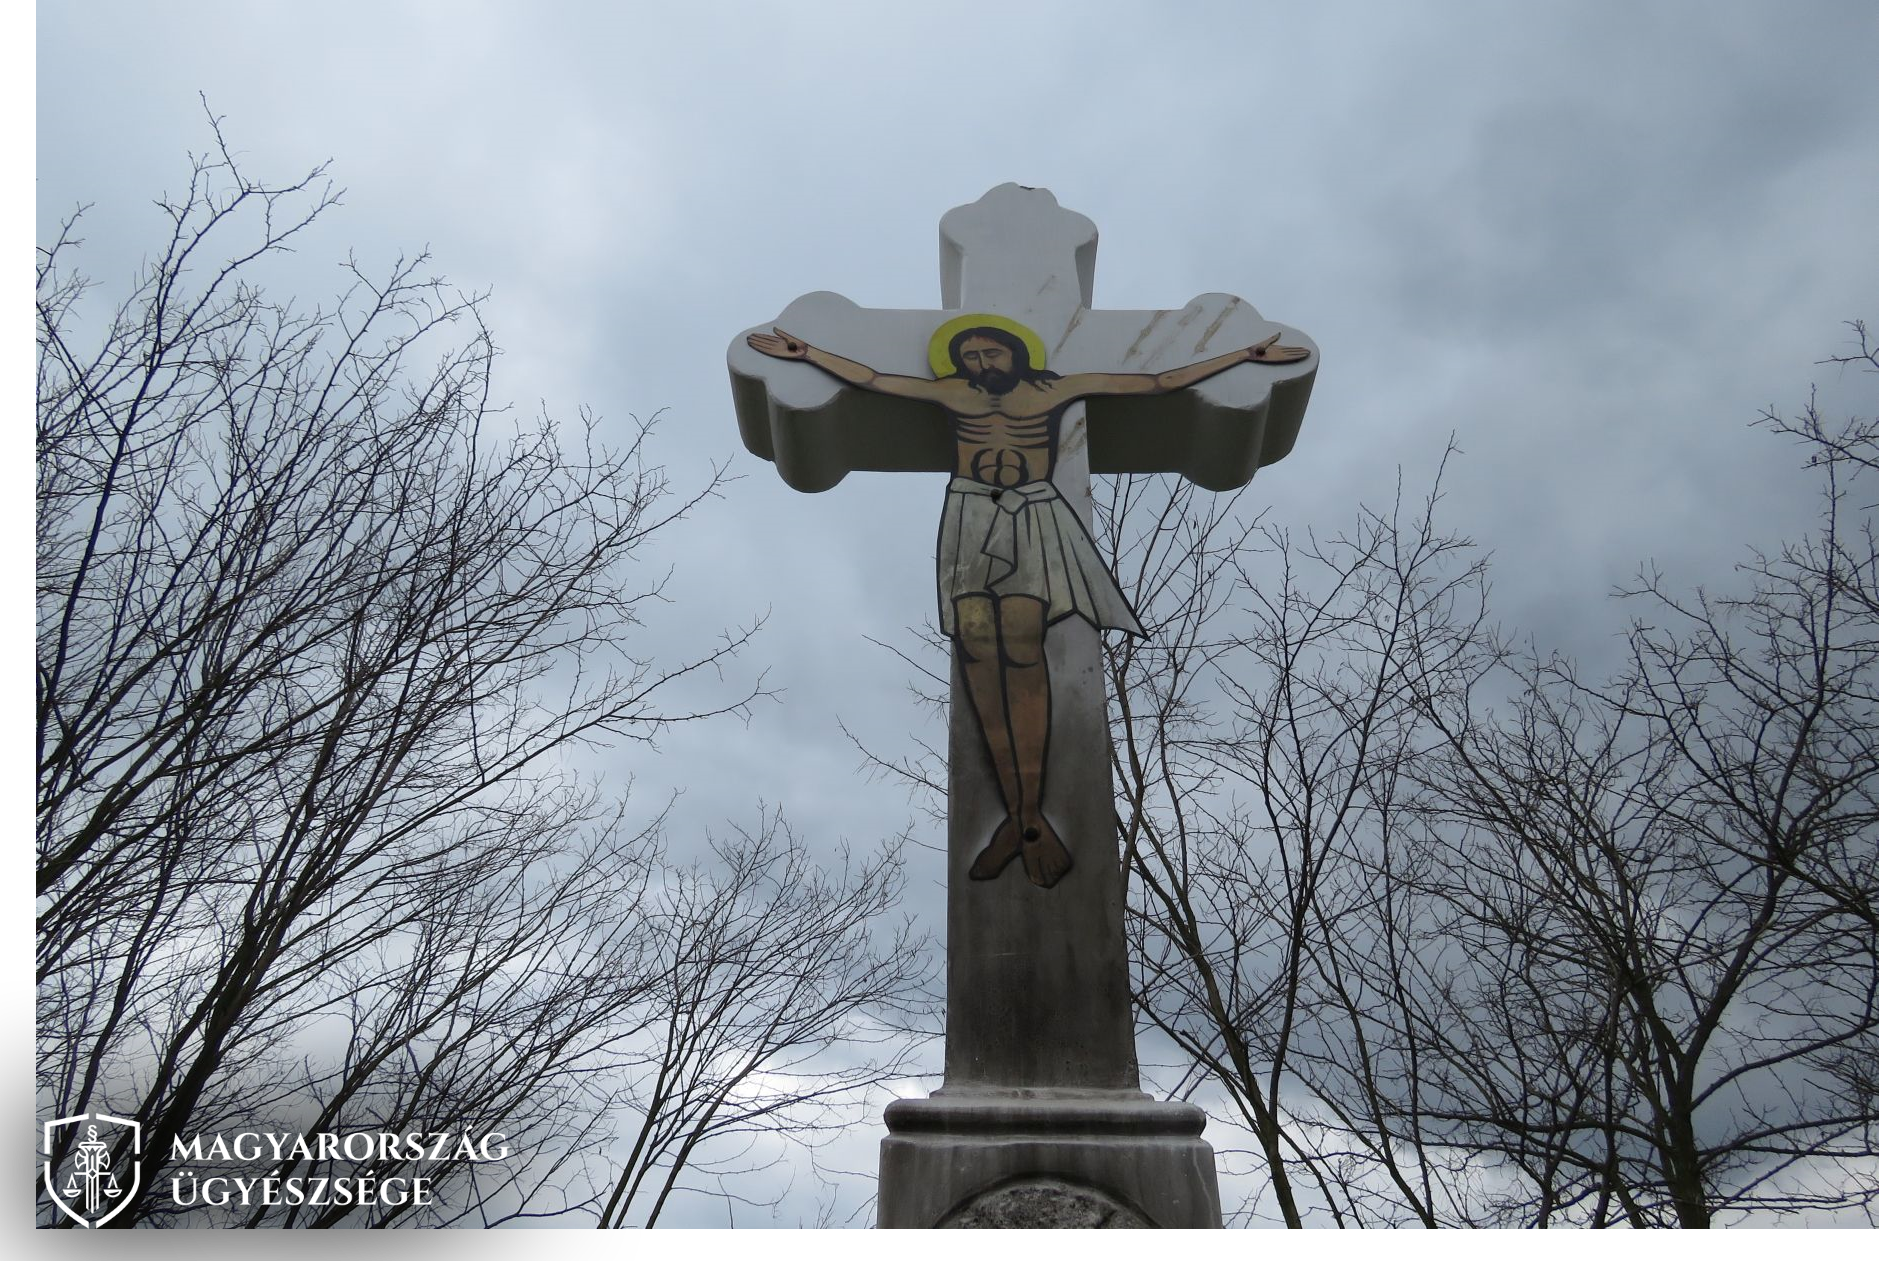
(91,1174)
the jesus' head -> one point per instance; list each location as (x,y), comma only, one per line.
(993,359)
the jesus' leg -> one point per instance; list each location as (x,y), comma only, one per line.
(976,637)
(1027,708)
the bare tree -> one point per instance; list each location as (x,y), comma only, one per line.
(316,626)
(768,1005)
(1263,734)
(1684,862)
(1463,938)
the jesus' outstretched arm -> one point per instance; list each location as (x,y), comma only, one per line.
(1080,384)
(781,345)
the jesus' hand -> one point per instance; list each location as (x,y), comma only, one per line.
(1266,352)
(779,345)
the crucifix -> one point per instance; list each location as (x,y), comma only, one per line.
(1019,390)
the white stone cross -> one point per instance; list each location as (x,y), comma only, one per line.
(1041,1078)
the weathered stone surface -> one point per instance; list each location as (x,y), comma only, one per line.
(1044,1204)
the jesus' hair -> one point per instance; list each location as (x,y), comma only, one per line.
(1020,353)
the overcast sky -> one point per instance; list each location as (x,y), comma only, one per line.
(1593,241)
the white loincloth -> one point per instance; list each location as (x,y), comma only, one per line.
(1025,540)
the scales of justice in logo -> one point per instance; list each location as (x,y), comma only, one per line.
(1014,557)
(91,1193)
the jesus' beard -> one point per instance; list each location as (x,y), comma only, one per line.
(995,381)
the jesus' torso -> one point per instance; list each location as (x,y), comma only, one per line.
(1005,439)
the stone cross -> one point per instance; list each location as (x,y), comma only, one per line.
(1020,390)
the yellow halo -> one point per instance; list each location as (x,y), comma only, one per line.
(942,362)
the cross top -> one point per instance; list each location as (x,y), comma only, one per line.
(1016,237)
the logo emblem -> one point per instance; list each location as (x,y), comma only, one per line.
(94,1188)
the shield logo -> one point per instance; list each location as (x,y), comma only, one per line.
(101,1172)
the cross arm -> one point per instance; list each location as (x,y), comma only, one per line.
(1215,418)
(1178,405)
(817,428)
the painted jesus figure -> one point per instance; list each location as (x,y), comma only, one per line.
(1014,558)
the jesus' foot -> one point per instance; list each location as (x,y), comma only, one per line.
(1004,847)
(1045,858)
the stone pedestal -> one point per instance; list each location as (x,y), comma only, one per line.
(1036,1159)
